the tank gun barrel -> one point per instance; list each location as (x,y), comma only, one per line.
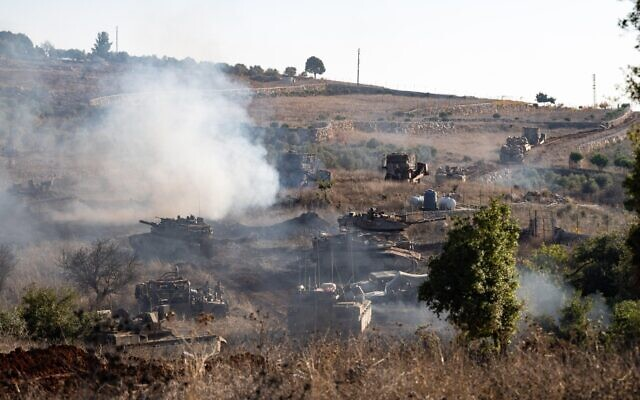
(148,223)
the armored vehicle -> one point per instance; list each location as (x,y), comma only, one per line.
(403,167)
(514,150)
(325,310)
(386,286)
(352,256)
(378,221)
(300,169)
(451,173)
(170,234)
(534,136)
(175,292)
(120,330)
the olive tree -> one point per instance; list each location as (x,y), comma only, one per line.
(474,280)
(103,268)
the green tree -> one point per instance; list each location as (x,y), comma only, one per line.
(290,71)
(474,280)
(632,182)
(575,158)
(601,264)
(599,161)
(625,325)
(104,268)
(102,45)
(553,259)
(314,66)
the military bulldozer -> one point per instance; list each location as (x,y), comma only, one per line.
(300,169)
(324,310)
(403,167)
(174,237)
(146,329)
(175,293)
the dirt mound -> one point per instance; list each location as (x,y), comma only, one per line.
(64,369)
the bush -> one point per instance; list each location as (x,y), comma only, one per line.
(496,116)
(12,324)
(574,324)
(575,157)
(49,315)
(589,187)
(625,327)
(603,180)
(623,162)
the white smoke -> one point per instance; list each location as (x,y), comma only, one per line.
(179,146)
(545,295)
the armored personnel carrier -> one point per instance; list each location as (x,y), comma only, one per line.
(352,256)
(174,236)
(175,293)
(403,167)
(451,173)
(323,310)
(514,150)
(120,330)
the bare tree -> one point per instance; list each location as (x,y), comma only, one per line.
(103,268)
(7,263)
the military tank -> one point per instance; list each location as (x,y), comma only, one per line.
(171,292)
(378,221)
(175,237)
(146,329)
(514,150)
(324,310)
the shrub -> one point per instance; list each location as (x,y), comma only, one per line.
(625,327)
(589,186)
(12,324)
(575,157)
(603,180)
(496,116)
(574,324)
(49,315)
(340,118)
(623,162)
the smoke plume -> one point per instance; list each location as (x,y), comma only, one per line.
(178,146)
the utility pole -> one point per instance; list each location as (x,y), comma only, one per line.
(358,77)
(116,38)
(595,101)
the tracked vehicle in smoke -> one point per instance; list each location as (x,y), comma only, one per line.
(300,169)
(390,286)
(146,329)
(327,310)
(175,237)
(378,221)
(172,292)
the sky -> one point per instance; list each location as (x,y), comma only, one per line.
(495,48)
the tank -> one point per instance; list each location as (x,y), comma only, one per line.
(446,203)
(168,237)
(514,150)
(326,311)
(146,329)
(430,200)
(174,293)
(451,173)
